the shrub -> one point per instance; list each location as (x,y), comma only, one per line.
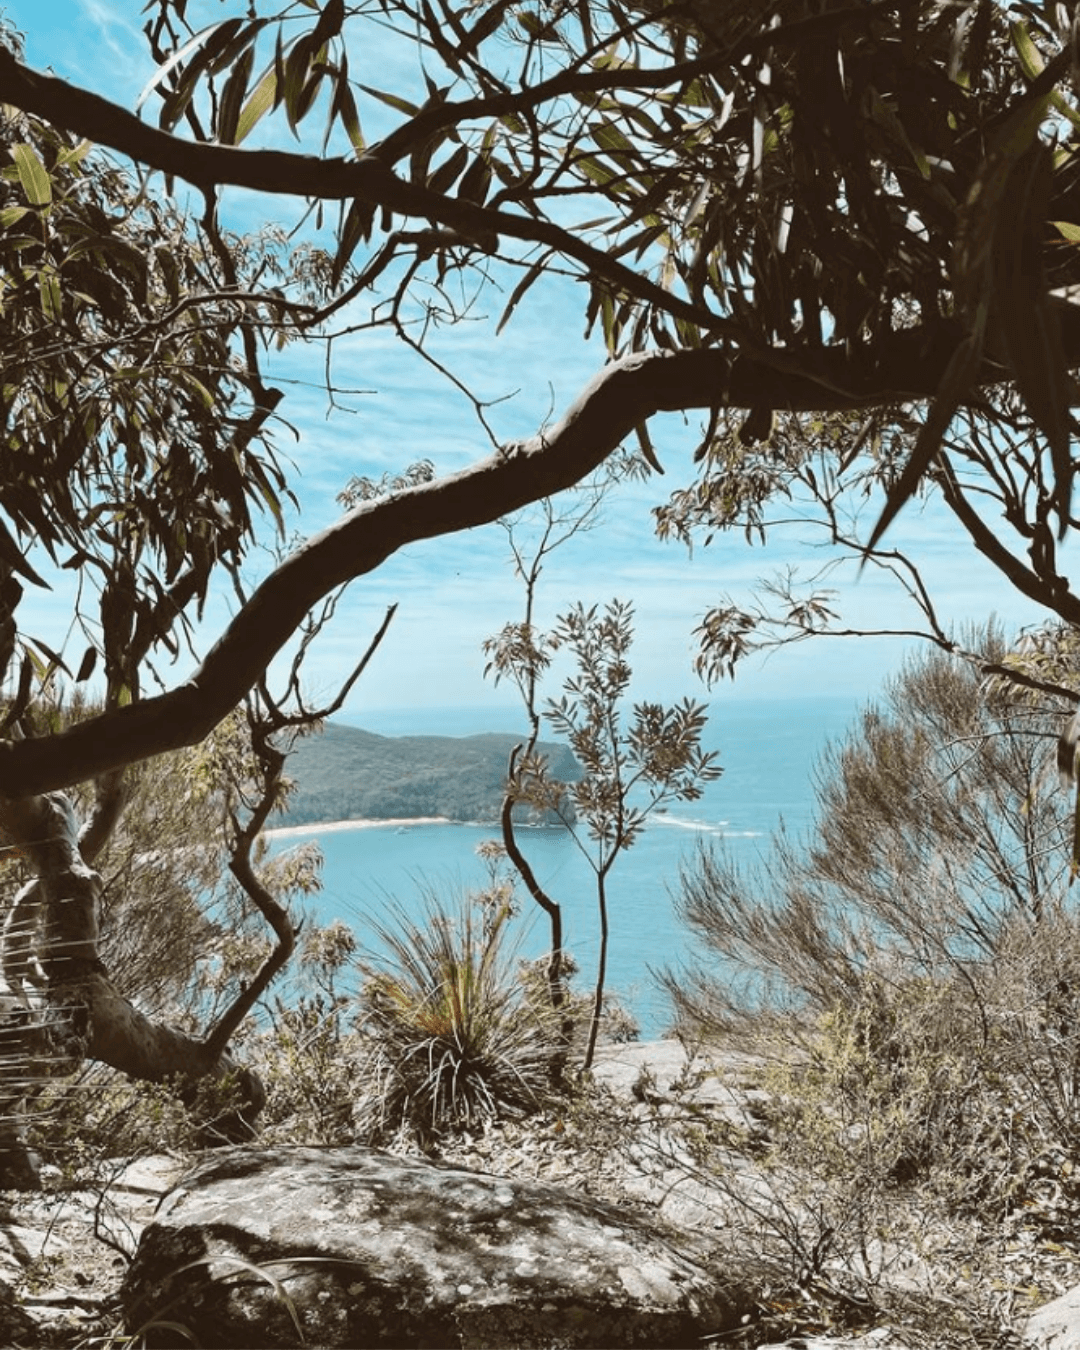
(455,1036)
(899,1085)
(307,1050)
(914,961)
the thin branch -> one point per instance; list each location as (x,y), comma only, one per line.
(271,765)
(1053,592)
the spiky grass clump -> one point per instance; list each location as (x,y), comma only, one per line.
(456,1039)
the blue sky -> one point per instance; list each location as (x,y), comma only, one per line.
(454,592)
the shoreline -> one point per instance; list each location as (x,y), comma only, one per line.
(404,822)
(336,826)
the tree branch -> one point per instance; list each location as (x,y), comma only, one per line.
(1052,592)
(619,397)
(368,178)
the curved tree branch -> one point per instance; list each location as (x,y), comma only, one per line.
(619,398)
(1053,592)
(368,178)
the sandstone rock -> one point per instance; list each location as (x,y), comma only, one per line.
(658,1167)
(358,1247)
(1056,1326)
(883,1338)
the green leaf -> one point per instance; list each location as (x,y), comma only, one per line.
(330,22)
(1032,64)
(11,215)
(211,49)
(535,26)
(33,175)
(74,154)
(204,395)
(297,65)
(180,56)
(220,54)
(232,97)
(260,102)
(955,383)
(266,492)
(608,136)
(391,100)
(356,226)
(344,109)
(886,118)
(476,181)
(448,173)
(56,661)
(599,173)
(645,445)
(51,299)
(535,271)
(86,666)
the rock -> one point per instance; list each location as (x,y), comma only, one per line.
(1056,1326)
(359,1247)
(881,1338)
(658,1167)
(62,1251)
(662,1071)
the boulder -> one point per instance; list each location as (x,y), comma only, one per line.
(1056,1326)
(357,1247)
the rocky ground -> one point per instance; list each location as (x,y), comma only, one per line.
(922,1283)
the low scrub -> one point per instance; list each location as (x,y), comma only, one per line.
(910,971)
(455,1036)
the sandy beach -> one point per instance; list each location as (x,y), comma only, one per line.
(335,826)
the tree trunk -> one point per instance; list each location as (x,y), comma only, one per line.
(72,1012)
(601,970)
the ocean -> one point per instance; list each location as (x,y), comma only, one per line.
(767,751)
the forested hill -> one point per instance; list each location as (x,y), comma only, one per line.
(349,774)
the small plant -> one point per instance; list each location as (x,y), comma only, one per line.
(84,1125)
(632,765)
(455,1036)
(307,1051)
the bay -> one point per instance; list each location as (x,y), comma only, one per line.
(767,751)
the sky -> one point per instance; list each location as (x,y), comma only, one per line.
(454,592)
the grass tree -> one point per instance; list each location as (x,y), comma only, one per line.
(456,1037)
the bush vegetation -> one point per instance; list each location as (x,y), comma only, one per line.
(456,1038)
(908,976)
(909,973)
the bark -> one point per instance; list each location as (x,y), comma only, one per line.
(122,1037)
(74,1012)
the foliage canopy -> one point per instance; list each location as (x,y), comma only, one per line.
(862,212)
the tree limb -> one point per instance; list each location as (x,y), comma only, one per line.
(619,397)
(1052,592)
(368,178)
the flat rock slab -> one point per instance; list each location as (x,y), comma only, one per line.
(356,1247)
(669,1071)
(1056,1326)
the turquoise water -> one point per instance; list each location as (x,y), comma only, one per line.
(767,751)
